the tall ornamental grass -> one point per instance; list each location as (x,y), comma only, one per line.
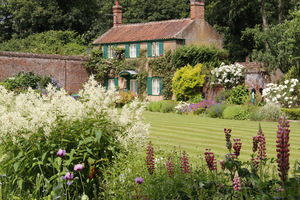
(44,136)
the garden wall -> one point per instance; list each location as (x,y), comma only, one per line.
(68,70)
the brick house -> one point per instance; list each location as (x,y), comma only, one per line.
(155,38)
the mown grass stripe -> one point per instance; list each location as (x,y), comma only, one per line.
(194,134)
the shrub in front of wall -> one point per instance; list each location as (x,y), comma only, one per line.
(216,111)
(168,106)
(239,95)
(271,111)
(236,112)
(155,106)
(292,113)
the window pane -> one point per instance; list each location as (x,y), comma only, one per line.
(133,50)
(111,84)
(155,86)
(133,85)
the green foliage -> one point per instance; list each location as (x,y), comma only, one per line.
(187,80)
(21,81)
(162,106)
(126,97)
(256,115)
(292,113)
(236,113)
(271,111)
(238,95)
(192,54)
(197,98)
(216,111)
(51,42)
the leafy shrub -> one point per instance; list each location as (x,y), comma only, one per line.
(216,111)
(162,106)
(193,54)
(187,81)
(22,81)
(197,98)
(271,111)
(239,94)
(236,112)
(292,113)
(256,115)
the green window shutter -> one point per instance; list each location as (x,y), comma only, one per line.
(106,83)
(138,50)
(149,85)
(149,49)
(161,86)
(127,50)
(116,82)
(137,87)
(161,48)
(105,51)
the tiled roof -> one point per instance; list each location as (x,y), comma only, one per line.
(144,31)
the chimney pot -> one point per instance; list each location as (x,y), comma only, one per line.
(117,14)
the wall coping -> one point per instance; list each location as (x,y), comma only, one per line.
(43,56)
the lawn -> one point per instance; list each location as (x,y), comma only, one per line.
(194,134)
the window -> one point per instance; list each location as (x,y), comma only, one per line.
(155,48)
(110,51)
(132,53)
(156,86)
(133,85)
(111,84)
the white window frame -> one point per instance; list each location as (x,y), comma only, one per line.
(133,85)
(132,50)
(155,86)
(155,48)
(110,51)
(111,84)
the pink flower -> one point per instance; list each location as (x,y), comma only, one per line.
(210,160)
(78,167)
(170,168)
(222,163)
(69,176)
(139,180)
(237,147)
(61,153)
(237,183)
(227,138)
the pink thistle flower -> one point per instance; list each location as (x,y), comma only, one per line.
(237,186)
(78,167)
(61,153)
(185,168)
(237,147)
(170,168)
(69,176)
(150,158)
(139,180)
(283,135)
(210,160)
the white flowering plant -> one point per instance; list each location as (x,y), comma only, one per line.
(228,75)
(286,94)
(33,126)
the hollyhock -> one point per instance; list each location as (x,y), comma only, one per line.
(139,180)
(78,167)
(61,153)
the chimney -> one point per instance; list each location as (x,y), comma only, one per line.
(117,13)
(197,9)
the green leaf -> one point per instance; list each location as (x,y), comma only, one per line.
(98,134)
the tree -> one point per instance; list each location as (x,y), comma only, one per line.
(187,81)
(284,45)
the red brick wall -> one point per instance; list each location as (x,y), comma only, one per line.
(68,70)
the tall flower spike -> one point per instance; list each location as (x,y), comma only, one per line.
(150,158)
(185,168)
(227,138)
(262,154)
(237,186)
(283,136)
(170,168)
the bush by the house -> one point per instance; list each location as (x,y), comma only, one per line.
(239,95)
(162,106)
(216,111)
(187,81)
